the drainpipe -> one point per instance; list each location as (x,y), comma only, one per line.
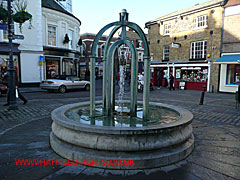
(168,73)
(209,75)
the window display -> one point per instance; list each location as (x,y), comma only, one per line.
(233,74)
(196,74)
(52,68)
(69,67)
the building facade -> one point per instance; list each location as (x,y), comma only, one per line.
(186,43)
(43,53)
(61,34)
(230,59)
(87,41)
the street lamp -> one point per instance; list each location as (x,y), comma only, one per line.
(11,71)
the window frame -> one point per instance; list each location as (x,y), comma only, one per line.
(55,26)
(232,73)
(164,53)
(167,29)
(70,44)
(193,54)
(198,21)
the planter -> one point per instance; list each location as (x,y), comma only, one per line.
(21,17)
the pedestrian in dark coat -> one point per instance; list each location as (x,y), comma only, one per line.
(160,78)
(171,78)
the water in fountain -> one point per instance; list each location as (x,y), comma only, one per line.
(122,72)
(122,54)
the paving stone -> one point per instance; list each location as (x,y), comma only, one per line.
(216,125)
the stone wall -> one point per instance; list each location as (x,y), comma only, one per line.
(183,32)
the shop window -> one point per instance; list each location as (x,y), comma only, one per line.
(4,64)
(52,32)
(200,21)
(52,69)
(167,29)
(69,68)
(233,74)
(195,74)
(166,50)
(198,50)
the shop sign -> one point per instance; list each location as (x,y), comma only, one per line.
(174,45)
(182,85)
(21,37)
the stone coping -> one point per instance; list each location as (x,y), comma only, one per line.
(59,117)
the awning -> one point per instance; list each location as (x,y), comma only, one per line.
(229,59)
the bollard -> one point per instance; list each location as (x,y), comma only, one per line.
(202,95)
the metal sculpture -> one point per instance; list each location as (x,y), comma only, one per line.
(108,102)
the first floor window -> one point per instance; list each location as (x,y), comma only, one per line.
(201,21)
(233,74)
(166,50)
(52,35)
(198,50)
(70,35)
(167,28)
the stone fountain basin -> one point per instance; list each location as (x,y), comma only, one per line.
(150,147)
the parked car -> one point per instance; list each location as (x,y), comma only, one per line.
(3,89)
(65,83)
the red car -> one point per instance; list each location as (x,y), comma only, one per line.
(3,89)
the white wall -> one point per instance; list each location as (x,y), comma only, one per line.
(32,35)
(32,45)
(30,70)
(63,22)
(222,86)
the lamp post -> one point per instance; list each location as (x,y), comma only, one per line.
(11,70)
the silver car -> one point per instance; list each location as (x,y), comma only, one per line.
(63,85)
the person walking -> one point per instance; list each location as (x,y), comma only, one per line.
(160,78)
(18,95)
(171,78)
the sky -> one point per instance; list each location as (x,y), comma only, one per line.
(95,14)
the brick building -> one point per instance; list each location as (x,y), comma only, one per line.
(186,43)
(85,49)
(230,60)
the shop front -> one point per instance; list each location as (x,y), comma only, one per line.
(191,76)
(56,66)
(229,72)
(4,62)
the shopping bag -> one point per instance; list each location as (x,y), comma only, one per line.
(16,93)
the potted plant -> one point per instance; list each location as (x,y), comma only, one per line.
(21,14)
(66,39)
(3,13)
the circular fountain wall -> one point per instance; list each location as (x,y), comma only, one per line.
(161,141)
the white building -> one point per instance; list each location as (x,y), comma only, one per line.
(52,21)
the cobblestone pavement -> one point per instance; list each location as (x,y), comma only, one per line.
(216,124)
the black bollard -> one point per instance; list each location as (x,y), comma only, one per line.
(202,95)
